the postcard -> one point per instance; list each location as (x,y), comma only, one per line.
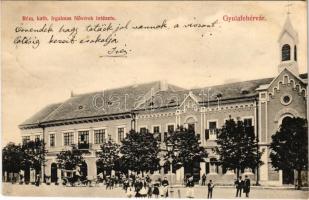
(157,99)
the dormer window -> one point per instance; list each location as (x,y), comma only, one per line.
(286,52)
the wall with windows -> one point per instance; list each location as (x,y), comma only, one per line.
(92,133)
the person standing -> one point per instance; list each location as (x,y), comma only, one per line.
(210,189)
(247,186)
(239,186)
(165,187)
(204,179)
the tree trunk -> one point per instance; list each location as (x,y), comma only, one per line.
(299,182)
(237,172)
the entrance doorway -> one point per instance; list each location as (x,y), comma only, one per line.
(193,170)
(53,173)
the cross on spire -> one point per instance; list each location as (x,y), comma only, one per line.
(288,8)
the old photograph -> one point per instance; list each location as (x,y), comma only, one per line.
(154,99)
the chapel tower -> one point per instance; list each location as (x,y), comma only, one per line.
(288,41)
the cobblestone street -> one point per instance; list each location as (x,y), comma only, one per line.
(200,192)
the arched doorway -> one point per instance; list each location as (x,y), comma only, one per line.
(84,169)
(287,174)
(190,124)
(53,173)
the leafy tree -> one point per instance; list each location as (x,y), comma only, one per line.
(70,159)
(34,154)
(237,146)
(108,156)
(290,146)
(183,147)
(140,152)
(12,158)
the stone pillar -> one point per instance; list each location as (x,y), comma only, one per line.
(203,168)
(264,167)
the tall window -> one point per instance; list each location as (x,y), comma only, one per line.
(25,139)
(212,130)
(286,52)
(191,128)
(120,134)
(52,140)
(83,137)
(170,128)
(156,129)
(99,136)
(68,138)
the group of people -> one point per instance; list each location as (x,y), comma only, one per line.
(242,185)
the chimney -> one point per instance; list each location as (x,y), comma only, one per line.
(163,85)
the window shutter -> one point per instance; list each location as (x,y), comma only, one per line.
(207,168)
(206,134)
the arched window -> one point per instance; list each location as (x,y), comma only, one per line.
(286,52)
(295,53)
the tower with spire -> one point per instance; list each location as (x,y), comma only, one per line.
(288,41)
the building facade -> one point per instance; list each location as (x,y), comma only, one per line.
(88,120)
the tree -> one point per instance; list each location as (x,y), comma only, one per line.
(70,159)
(140,152)
(290,146)
(12,158)
(183,147)
(34,154)
(238,147)
(108,156)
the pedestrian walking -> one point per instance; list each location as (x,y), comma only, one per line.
(204,179)
(247,186)
(239,185)
(210,189)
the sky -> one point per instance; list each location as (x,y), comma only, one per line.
(189,58)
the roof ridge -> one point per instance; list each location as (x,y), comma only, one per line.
(116,88)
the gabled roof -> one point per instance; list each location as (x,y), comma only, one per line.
(112,101)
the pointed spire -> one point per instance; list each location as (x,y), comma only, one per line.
(288,28)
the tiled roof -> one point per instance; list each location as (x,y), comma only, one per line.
(224,91)
(112,101)
(136,97)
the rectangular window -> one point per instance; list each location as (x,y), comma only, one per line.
(37,137)
(68,138)
(120,134)
(25,139)
(170,128)
(212,130)
(156,129)
(52,140)
(143,130)
(99,136)
(83,137)
(248,122)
